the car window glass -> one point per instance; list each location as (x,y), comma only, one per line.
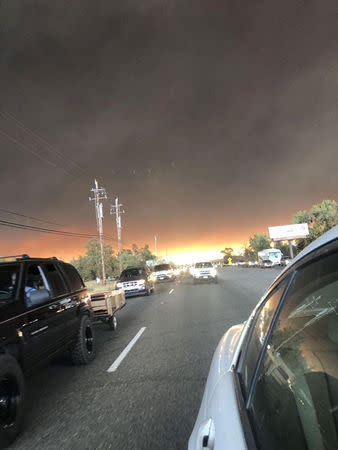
(295,402)
(74,279)
(203,265)
(161,267)
(54,279)
(9,275)
(132,274)
(33,282)
(258,334)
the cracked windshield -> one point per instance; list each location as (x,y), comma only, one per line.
(169,225)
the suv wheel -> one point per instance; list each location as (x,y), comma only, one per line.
(12,394)
(84,348)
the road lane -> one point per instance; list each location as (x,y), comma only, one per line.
(152,400)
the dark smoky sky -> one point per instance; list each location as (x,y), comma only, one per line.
(209,119)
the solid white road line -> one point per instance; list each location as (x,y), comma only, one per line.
(171,291)
(125,352)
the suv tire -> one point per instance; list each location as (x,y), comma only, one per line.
(12,395)
(84,348)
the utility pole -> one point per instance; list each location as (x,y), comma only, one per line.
(117,210)
(155,242)
(98,195)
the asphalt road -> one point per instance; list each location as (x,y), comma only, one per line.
(152,399)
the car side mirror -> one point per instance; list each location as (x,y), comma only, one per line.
(37,298)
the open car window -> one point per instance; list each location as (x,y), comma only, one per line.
(9,275)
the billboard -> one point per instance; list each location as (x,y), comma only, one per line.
(289,232)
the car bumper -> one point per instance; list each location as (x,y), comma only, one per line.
(133,292)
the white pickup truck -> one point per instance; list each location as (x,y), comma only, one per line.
(164,272)
(203,271)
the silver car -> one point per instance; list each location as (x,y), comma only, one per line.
(273,381)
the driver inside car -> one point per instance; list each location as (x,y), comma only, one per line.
(29,288)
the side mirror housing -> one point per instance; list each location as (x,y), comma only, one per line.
(37,298)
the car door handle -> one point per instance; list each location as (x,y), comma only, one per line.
(54,306)
(206,435)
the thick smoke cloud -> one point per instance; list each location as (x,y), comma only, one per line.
(210,120)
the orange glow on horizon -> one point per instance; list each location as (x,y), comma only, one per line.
(66,248)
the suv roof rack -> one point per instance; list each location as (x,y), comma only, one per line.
(23,256)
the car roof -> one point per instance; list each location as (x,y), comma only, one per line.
(325,238)
(30,259)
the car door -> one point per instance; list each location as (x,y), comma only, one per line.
(221,426)
(78,295)
(65,299)
(41,324)
(294,398)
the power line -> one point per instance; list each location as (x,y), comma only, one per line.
(37,137)
(21,226)
(28,217)
(32,151)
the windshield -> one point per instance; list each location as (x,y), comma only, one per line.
(161,267)
(203,265)
(8,282)
(132,274)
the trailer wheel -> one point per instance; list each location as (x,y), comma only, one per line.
(113,323)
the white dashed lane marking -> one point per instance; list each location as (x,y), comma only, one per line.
(125,352)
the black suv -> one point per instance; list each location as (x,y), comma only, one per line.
(43,312)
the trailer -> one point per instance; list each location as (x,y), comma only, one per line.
(105,305)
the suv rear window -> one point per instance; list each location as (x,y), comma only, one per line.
(133,274)
(9,275)
(74,279)
(161,267)
(203,265)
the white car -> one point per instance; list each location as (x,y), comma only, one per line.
(203,271)
(273,381)
(164,272)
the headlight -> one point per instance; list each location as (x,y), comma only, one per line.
(141,281)
(119,285)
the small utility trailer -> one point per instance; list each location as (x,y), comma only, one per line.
(106,304)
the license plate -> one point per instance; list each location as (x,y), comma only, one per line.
(205,276)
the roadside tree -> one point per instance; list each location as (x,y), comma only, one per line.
(258,242)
